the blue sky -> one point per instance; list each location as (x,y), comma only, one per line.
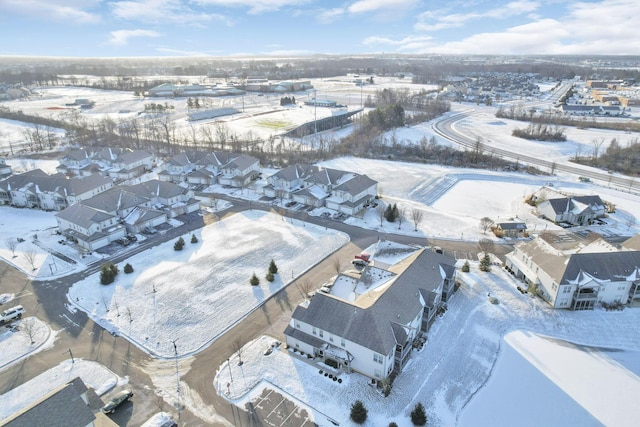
(115,28)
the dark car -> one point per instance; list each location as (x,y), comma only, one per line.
(117,400)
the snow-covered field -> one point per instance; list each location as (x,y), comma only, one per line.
(194,295)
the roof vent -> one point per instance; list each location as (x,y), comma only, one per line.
(398,316)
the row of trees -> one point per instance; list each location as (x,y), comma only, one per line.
(541,132)
(270,276)
(359,414)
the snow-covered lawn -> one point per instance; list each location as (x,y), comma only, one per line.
(483,364)
(23,337)
(194,295)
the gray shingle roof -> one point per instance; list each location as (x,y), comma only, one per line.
(83,216)
(373,326)
(62,407)
(613,266)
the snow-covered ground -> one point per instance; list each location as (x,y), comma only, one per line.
(483,364)
(464,375)
(194,295)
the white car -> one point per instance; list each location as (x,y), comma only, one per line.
(11,313)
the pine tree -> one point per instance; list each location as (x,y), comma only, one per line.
(273,268)
(485,263)
(128,269)
(254,280)
(179,244)
(358,412)
(270,277)
(466,267)
(418,416)
(194,239)
(108,272)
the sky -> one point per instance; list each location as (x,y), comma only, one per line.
(223,28)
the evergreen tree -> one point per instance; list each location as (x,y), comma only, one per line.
(108,272)
(418,416)
(194,239)
(485,263)
(254,280)
(273,268)
(358,412)
(179,244)
(270,277)
(393,424)
(128,269)
(466,267)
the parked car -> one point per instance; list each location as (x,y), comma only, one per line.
(11,313)
(117,400)
(132,237)
(150,230)
(360,263)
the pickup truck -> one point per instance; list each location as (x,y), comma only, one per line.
(11,313)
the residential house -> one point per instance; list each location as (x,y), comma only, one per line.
(102,219)
(36,189)
(69,405)
(232,169)
(373,326)
(570,271)
(315,186)
(512,230)
(573,210)
(118,163)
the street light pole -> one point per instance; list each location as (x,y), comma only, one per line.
(70,354)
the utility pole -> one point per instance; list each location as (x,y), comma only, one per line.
(70,354)
(179,405)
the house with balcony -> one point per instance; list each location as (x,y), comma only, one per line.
(371,322)
(574,272)
(37,189)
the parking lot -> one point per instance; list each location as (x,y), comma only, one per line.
(273,409)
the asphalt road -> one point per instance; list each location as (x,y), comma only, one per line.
(85,339)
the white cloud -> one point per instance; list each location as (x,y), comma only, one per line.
(121,37)
(455,20)
(74,11)
(330,15)
(404,43)
(162,11)
(375,5)
(255,6)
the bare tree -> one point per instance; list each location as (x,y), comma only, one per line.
(596,143)
(30,327)
(30,256)
(11,244)
(380,212)
(402,213)
(305,287)
(105,302)
(486,245)
(416,217)
(238,346)
(336,264)
(485,223)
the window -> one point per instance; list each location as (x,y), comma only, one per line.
(321,333)
(331,338)
(377,358)
(342,342)
(315,331)
(297,325)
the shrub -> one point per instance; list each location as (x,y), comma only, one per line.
(128,269)
(358,412)
(270,277)
(418,416)
(254,280)
(340,380)
(108,272)
(485,263)
(273,269)
(194,239)
(465,267)
(393,424)
(179,244)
